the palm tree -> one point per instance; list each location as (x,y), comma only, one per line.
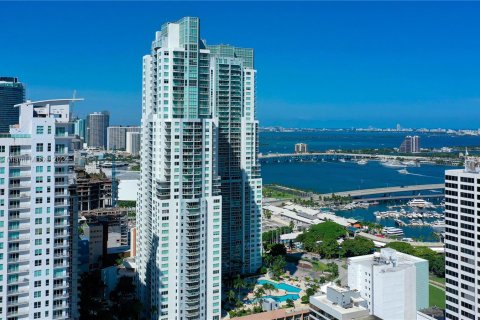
(239,284)
(269,287)
(267,260)
(259,293)
(231,296)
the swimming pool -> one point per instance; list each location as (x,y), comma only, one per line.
(284,298)
(281,286)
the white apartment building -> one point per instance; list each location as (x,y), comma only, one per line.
(394,284)
(338,304)
(117,136)
(301,148)
(462,241)
(199,200)
(37,215)
(133,143)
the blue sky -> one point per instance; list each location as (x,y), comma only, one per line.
(319,64)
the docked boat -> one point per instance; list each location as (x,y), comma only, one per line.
(392,231)
(362,162)
(420,203)
(410,163)
(342,160)
(438,226)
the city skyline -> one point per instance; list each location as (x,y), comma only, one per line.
(366,64)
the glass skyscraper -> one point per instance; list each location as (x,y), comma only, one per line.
(199,200)
(12,92)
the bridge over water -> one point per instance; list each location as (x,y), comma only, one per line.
(336,155)
(387,191)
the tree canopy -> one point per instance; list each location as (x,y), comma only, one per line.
(357,247)
(436,262)
(278,249)
(324,231)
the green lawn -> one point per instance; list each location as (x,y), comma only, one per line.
(437,279)
(275,193)
(318,266)
(437,297)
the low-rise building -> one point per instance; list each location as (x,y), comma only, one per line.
(338,304)
(280,314)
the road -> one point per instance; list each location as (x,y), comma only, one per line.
(386,190)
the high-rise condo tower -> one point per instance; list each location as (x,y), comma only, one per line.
(38,215)
(199,200)
(462,241)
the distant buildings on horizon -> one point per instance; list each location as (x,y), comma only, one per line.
(471,132)
(411,144)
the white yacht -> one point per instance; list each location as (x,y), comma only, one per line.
(362,162)
(403,171)
(420,203)
(392,231)
(410,163)
(342,160)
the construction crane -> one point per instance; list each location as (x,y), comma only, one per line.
(114,179)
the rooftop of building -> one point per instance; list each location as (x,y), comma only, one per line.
(50,102)
(387,257)
(276,314)
(322,300)
(8,80)
(434,312)
(472,166)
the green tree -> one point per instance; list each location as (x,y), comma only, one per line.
(231,296)
(328,230)
(401,247)
(124,304)
(239,284)
(425,253)
(329,248)
(437,266)
(267,213)
(357,247)
(267,260)
(268,287)
(278,249)
(259,293)
(278,267)
(290,303)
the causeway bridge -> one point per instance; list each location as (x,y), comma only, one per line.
(337,155)
(387,191)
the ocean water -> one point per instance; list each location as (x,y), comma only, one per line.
(335,176)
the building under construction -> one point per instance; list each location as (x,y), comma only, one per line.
(94,191)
